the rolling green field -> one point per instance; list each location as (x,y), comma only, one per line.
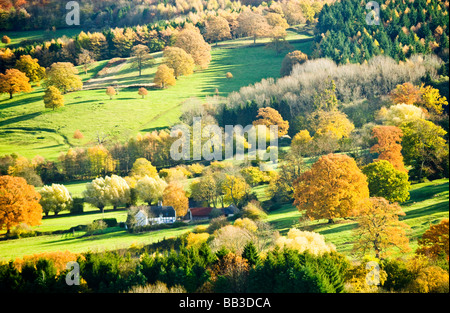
(28,129)
(428,205)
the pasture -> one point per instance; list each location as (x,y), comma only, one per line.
(28,129)
(428,205)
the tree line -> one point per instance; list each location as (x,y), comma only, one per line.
(403,28)
(29,15)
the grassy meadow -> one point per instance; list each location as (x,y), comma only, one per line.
(28,129)
(428,205)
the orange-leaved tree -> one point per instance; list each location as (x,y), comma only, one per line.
(333,188)
(268,116)
(388,145)
(19,203)
(175,196)
(434,241)
(405,93)
(379,229)
(14,81)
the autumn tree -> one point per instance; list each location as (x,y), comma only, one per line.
(117,191)
(291,59)
(405,93)
(387,182)
(235,189)
(14,81)
(78,134)
(334,123)
(55,198)
(276,20)
(388,145)
(101,161)
(333,188)
(141,57)
(326,98)
(432,100)
(175,196)
(150,189)
(424,146)
(143,167)
(191,41)
(217,29)
(6,40)
(379,229)
(179,60)
(434,242)
(31,68)
(111,92)
(85,58)
(95,193)
(268,117)
(400,113)
(278,41)
(301,142)
(205,189)
(53,98)
(64,76)
(253,25)
(19,203)
(142,92)
(281,187)
(164,76)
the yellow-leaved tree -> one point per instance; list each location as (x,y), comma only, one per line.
(379,229)
(175,196)
(333,188)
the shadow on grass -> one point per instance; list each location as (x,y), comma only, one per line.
(20,118)
(426,192)
(84,213)
(426,211)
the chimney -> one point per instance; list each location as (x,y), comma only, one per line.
(160,203)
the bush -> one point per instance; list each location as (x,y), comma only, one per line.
(217,223)
(110,222)
(77,206)
(158,287)
(254,211)
(96,227)
(22,231)
(398,276)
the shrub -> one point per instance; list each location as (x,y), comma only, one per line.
(303,241)
(196,240)
(246,223)
(431,279)
(96,227)
(77,206)
(398,276)
(158,287)
(217,223)
(22,231)
(228,75)
(233,238)
(110,222)
(254,211)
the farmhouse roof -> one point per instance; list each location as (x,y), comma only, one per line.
(165,211)
(196,212)
(230,210)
